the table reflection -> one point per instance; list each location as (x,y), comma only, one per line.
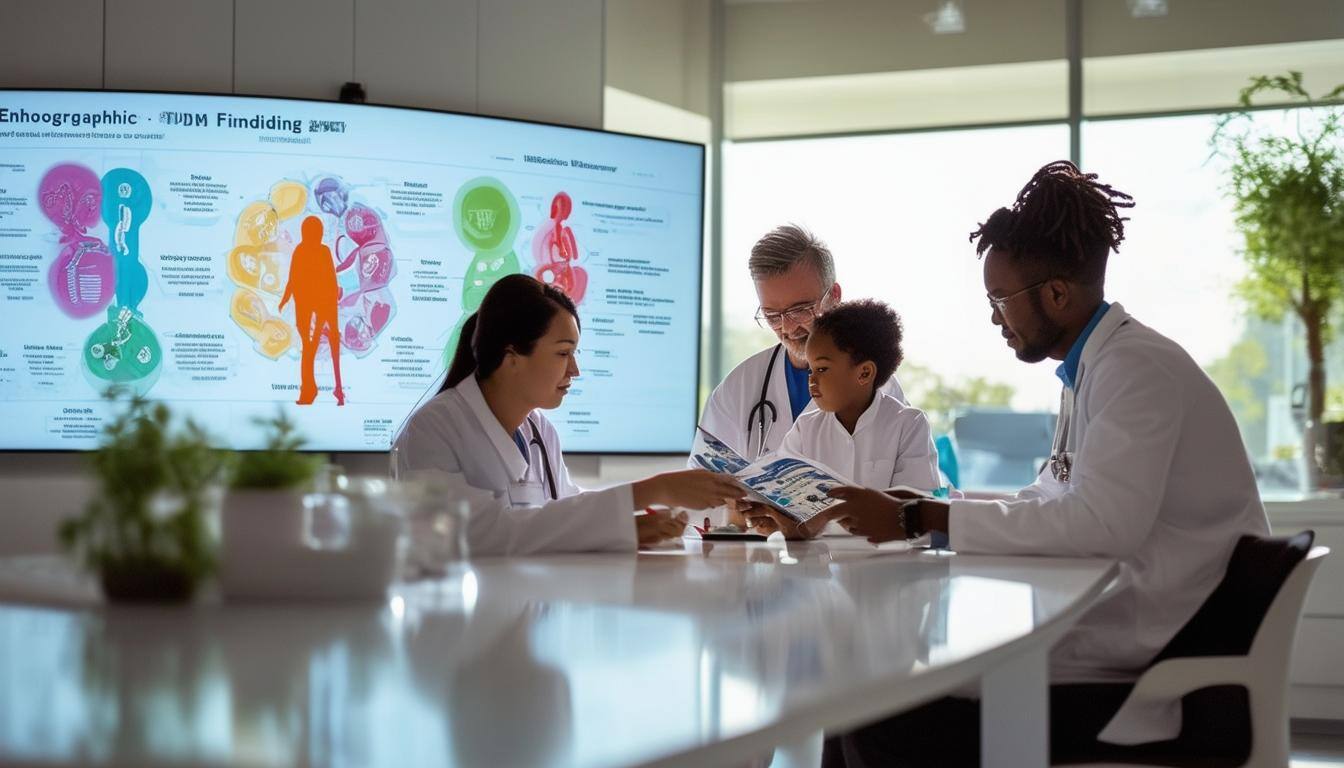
(601,660)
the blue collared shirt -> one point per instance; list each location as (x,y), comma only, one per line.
(799,394)
(1068,370)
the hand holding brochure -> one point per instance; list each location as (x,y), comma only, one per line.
(795,487)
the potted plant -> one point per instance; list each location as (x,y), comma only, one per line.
(267,486)
(147,532)
(286,536)
(279,466)
(1288,197)
(264,510)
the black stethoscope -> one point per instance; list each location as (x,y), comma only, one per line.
(545,458)
(763,407)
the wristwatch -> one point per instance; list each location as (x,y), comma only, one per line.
(910,519)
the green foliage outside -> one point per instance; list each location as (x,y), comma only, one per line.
(1243,376)
(941,399)
(1288,199)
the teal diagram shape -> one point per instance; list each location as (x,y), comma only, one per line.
(124,351)
(127,202)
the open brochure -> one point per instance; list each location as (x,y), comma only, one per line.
(793,486)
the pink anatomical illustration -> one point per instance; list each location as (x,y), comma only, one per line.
(364,268)
(556,254)
(82,279)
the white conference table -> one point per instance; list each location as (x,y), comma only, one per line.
(707,655)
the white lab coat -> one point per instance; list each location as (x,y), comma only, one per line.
(457,436)
(892,444)
(726,412)
(1161,482)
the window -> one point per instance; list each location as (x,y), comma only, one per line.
(896,210)
(1178,269)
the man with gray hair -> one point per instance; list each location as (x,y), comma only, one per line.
(757,402)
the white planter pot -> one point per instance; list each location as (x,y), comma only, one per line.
(292,545)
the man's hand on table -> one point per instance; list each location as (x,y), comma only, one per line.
(876,515)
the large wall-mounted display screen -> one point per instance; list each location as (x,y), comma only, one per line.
(232,255)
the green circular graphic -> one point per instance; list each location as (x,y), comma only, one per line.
(485,215)
(124,350)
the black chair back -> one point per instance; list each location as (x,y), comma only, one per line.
(1225,625)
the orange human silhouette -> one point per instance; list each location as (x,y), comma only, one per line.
(312,283)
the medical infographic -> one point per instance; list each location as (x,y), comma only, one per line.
(230,256)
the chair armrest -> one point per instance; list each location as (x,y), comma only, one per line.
(1179,676)
(1152,712)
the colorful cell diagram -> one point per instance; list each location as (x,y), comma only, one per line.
(265,236)
(366,268)
(124,351)
(259,262)
(556,254)
(486,218)
(88,277)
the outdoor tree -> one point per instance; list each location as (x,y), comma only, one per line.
(1287,188)
(941,399)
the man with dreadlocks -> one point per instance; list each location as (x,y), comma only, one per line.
(1148,468)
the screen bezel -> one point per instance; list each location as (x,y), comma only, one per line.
(700,261)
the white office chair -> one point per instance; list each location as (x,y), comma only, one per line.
(1185,666)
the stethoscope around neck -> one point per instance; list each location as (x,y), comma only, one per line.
(763,408)
(545,458)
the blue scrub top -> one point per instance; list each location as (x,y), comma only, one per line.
(799,394)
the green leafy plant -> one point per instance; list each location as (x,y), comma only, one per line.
(1288,197)
(279,465)
(942,398)
(145,532)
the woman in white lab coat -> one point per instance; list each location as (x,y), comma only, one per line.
(484,436)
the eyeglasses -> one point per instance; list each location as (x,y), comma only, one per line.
(998,302)
(799,315)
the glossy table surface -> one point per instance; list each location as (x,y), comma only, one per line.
(698,655)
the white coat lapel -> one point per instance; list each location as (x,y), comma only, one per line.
(502,442)
(779,395)
(1115,317)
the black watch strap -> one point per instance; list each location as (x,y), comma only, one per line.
(911,520)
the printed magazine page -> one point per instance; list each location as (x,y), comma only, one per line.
(791,485)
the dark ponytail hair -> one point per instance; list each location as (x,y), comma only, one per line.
(516,312)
